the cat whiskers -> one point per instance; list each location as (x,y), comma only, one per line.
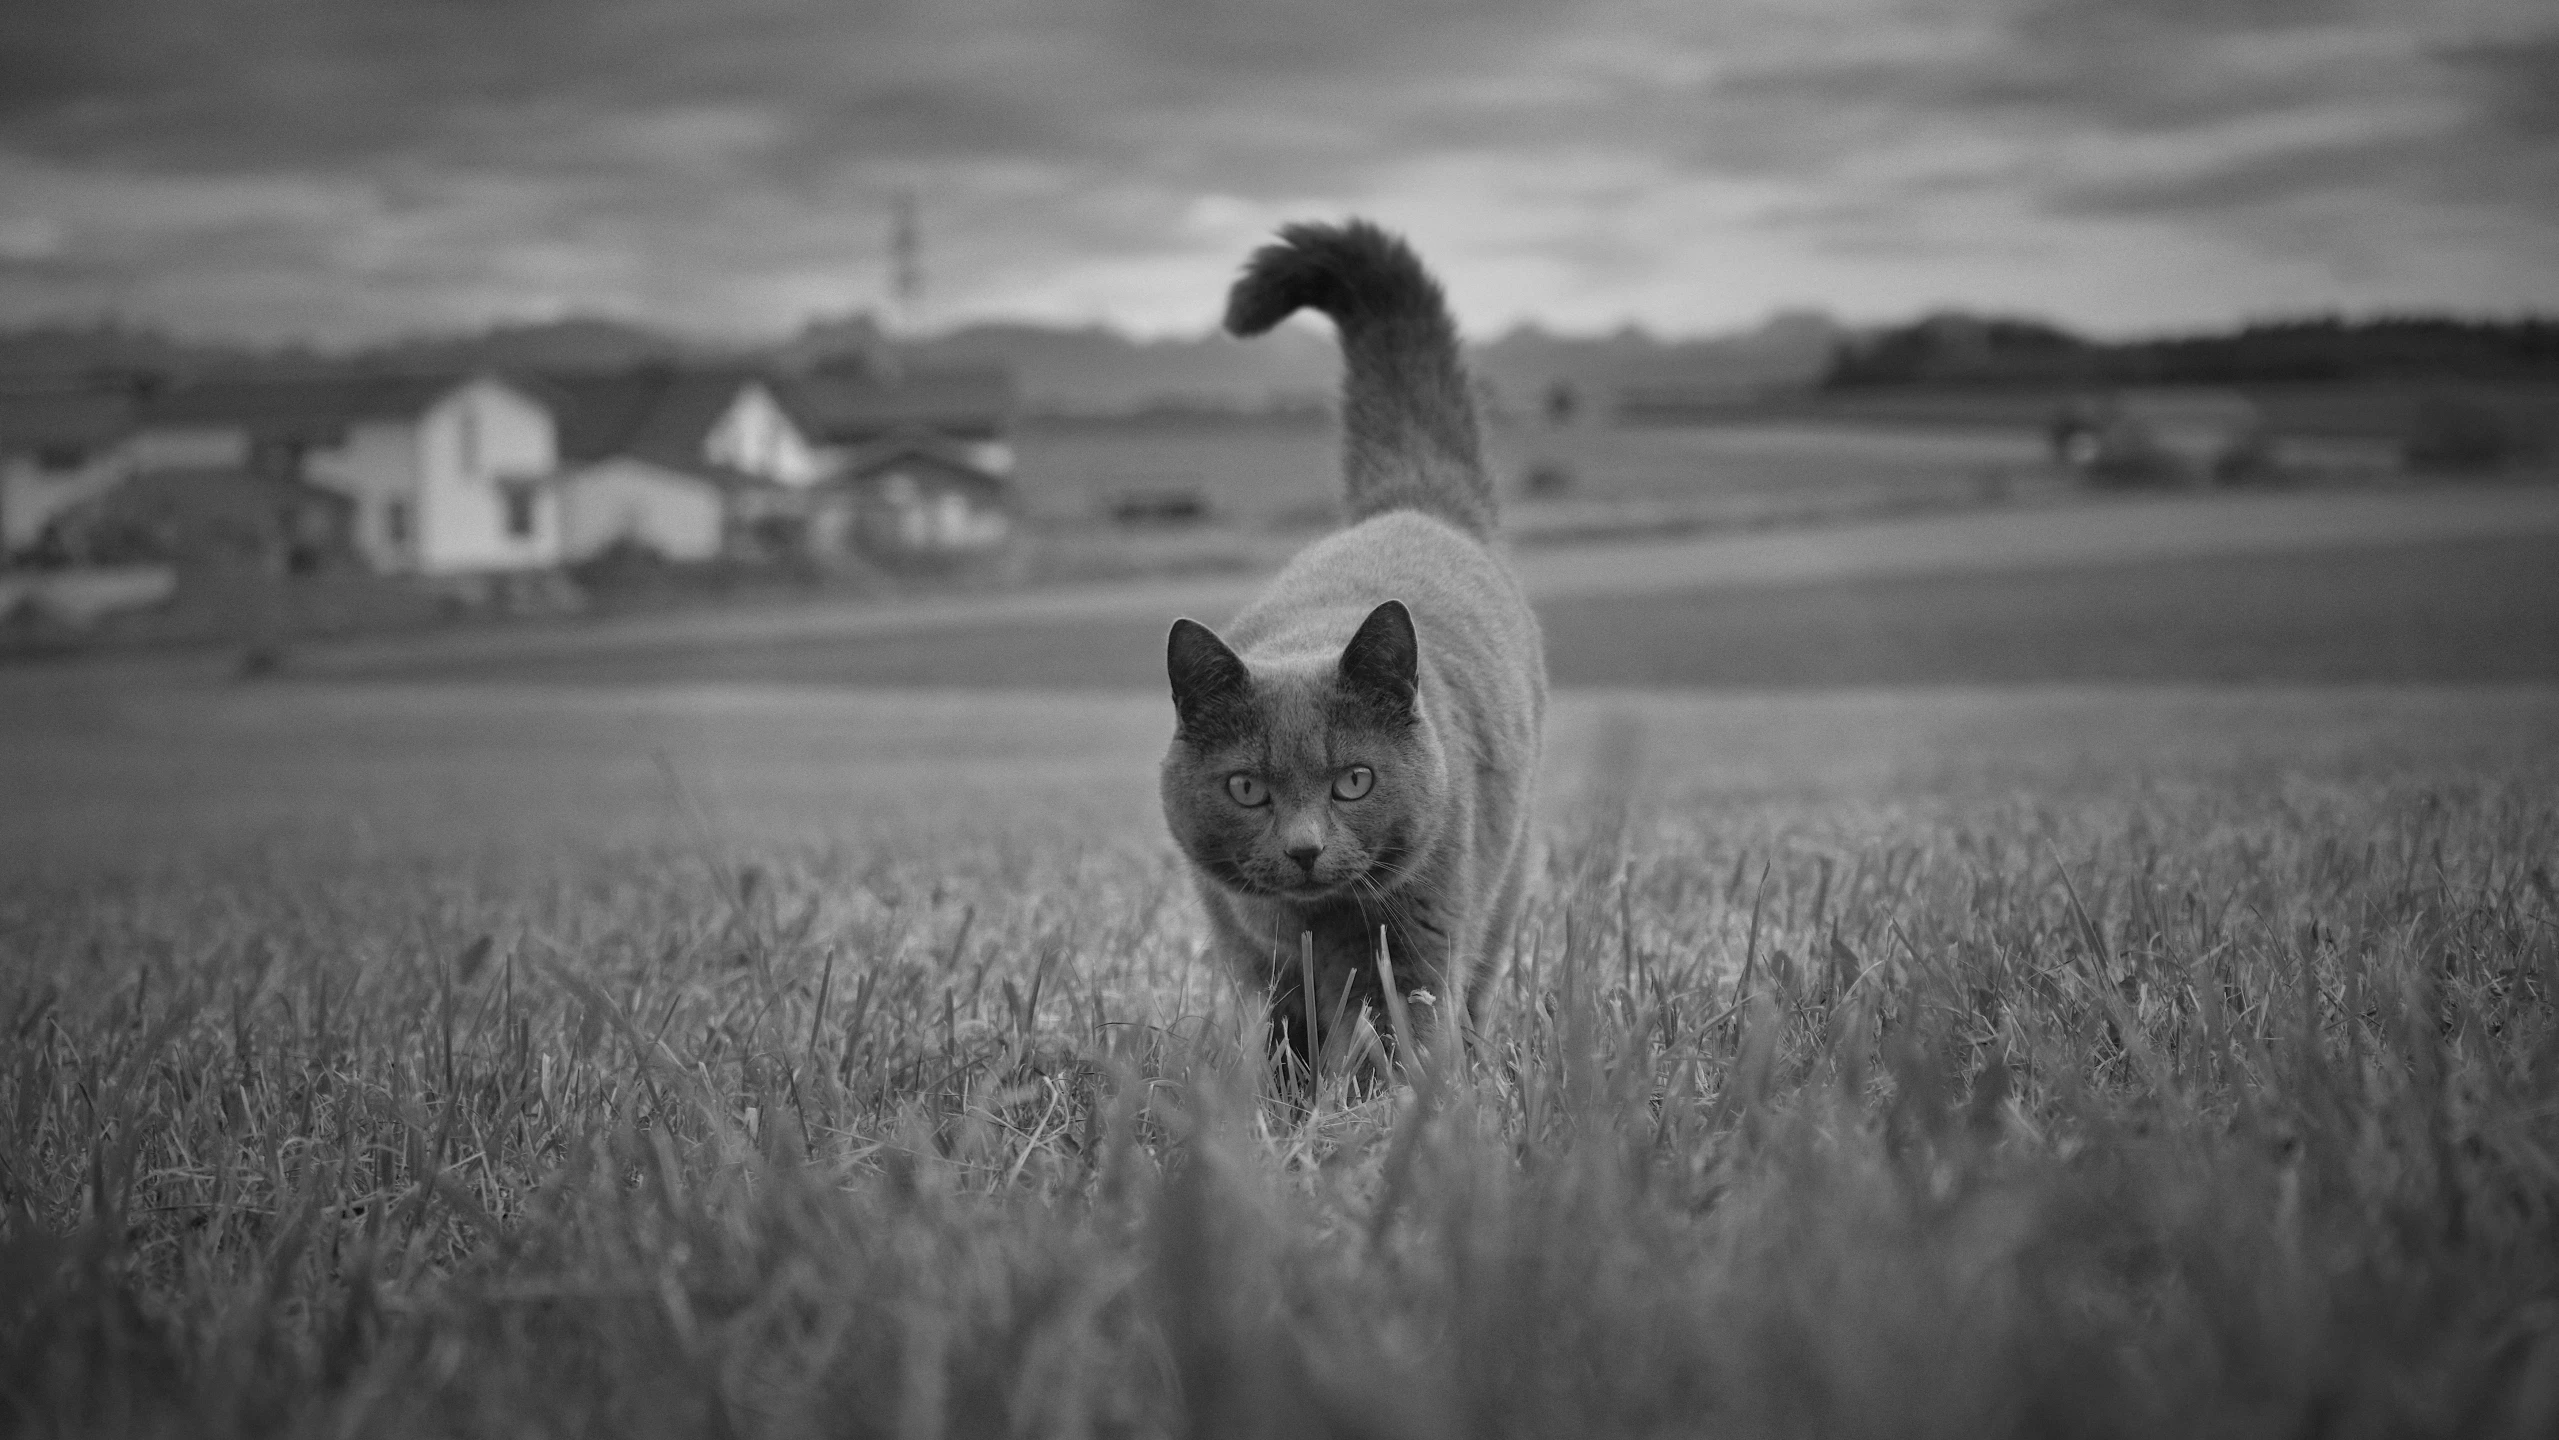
(1376,896)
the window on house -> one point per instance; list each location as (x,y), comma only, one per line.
(518,500)
(395,521)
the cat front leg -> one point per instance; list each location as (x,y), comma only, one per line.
(1501,924)
(1278,948)
(1416,945)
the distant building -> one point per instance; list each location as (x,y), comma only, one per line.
(687,464)
(854,412)
(2165,435)
(446,475)
(752,433)
(58,448)
(913,499)
(466,474)
(627,502)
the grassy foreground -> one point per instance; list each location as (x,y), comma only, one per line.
(2215,1104)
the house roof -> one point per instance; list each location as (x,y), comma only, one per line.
(675,428)
(719,477)
(913,440)
(210,491)
(594,413)
(654,413)
(920,454)
(842,407)
(198,482)
(34,419)
(298,406)
(190,515)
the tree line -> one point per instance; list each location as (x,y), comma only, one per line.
(1991,350)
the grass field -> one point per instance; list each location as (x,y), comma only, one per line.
(476,1059)
(1975,1015)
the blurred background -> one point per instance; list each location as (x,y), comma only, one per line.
(1851,343)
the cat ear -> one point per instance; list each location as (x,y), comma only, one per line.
(1208,679)
(1383,661)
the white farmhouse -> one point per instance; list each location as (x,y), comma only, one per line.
(448,475)
(755,435)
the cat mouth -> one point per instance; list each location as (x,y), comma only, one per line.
(1302,891)
(1296,887)
(1306,891)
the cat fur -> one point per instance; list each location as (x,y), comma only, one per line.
(1402,642)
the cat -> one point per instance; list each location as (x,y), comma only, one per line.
(1360,749)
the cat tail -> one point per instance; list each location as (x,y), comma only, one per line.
(1409,437)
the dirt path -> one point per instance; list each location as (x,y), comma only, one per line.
(2120,531)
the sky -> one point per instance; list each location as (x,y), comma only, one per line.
(346,170)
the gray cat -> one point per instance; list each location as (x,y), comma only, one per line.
(1360,749)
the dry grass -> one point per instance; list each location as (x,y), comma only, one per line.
(2204,1106)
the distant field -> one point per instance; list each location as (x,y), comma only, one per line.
(1261,474)
(1826,452)
(2457,611)
(1246,472)
(2471,611)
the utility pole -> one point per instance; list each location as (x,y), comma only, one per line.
(906,264)
(906,287)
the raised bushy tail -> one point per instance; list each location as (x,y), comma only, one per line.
(1409,440)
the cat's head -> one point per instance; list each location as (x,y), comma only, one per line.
(1303,778)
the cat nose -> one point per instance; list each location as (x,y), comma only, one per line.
(1303,842)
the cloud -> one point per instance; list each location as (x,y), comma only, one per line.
(338,167)
(2514,80)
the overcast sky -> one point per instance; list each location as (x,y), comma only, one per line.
(347,169)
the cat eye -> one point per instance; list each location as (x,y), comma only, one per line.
(1353,783)
(1247,791)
